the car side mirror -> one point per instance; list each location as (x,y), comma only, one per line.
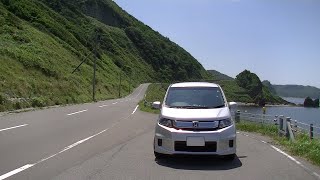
(232,104)
(156,105)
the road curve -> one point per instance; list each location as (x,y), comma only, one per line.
(113,140)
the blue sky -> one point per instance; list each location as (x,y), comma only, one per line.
(279,40)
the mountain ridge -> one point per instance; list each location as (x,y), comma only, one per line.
(43,41)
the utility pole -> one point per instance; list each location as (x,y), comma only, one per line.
(129,84)
(94,80)
(97,38)
(120,84)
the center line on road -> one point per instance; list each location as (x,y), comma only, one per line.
(115,103)
(77,112)
(13,127)
(135,109)
(103,106)
(11,173)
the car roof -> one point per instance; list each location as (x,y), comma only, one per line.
(194,84)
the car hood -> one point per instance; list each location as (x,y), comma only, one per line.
(195,114)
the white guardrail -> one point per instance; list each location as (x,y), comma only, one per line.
(286,126)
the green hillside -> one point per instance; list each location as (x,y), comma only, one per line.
(43,41)
(219,76)
(260,93)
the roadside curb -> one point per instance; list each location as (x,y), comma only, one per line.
(309,170)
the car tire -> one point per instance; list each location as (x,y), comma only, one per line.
(158,155)
(230,157)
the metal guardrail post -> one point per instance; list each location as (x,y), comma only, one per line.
(295,126)
(289,131)
(311,131)
(280,130)
(237,116)
(275,120)
(287,120)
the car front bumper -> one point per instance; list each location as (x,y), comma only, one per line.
(172,141)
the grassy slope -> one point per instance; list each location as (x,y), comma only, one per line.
(42,41)
(219,76)
(155,92)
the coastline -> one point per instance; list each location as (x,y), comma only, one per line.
(267,105)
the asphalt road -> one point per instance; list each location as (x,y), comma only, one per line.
(113,140)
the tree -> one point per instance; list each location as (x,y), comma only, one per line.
(308,102)
(252,84)
(316,103)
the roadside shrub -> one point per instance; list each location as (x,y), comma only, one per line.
(37,102)
(17,105)
(2,108)
(2,99)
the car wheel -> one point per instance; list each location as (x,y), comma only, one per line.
(230,157)
(158,155)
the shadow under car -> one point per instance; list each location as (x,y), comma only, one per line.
(196,162)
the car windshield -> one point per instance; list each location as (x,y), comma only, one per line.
(195,97)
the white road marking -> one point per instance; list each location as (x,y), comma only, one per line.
(135,109)
(139,92)
(103,106)
(316,174)
(115,103)
(72,146)
(11,173)
(288,156)
(77,112)
(264,142)
(13,127)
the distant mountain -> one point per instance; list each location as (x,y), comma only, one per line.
(269,86)
(260,93)
(246,88)
(297,91)
(219,76)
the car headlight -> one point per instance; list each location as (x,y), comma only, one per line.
(166,122)
(225,123)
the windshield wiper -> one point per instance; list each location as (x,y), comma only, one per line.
(190,107)
(220,106)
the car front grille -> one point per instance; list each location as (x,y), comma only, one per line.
(210,146)
(198,129)
(197,125)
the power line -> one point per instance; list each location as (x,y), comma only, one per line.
(96,40)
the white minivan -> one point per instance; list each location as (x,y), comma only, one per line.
(195,119)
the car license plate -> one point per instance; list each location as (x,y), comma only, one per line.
(195,141)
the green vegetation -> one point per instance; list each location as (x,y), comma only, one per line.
(219,76)
(256,90)
(246,88)
(43,41)
(303,146)
(155,92)
(308,102)
(297,91)
(269,86)
(234,92)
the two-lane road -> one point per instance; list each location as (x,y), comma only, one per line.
(113,140)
